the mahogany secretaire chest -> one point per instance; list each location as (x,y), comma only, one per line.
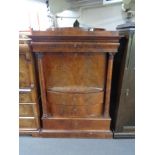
(75,71)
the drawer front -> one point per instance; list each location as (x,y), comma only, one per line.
(94,110)
(26,110)
(75,105)
(24,48)
(28,123)
(25,97)
(24,72)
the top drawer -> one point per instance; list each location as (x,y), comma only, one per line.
(25,66)
(24,72)
(25,97)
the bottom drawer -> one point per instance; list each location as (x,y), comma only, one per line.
(75,104)
(26,110)
(28,122)
(94,110)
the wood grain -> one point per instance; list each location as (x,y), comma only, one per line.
(85,70)
(24,78)
(108,85)
(27,122)
(28,97)
(26,110)
(25,97)
(75,75)
(105,134)
(75,104)
(65,123)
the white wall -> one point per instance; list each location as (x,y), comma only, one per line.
(102,17)
(107,17)
(69,18)
(32,13)
(57,6)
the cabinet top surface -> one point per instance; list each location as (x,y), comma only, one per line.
(74,40)
(74,32)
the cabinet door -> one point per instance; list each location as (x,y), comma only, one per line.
(75,71)
(74,83)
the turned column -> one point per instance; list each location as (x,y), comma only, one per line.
(108,84)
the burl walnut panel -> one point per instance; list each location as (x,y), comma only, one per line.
(74,69)
(75,104)
(24,72)
(25,97)
(75,83)
(26,110)
(28,123)
(28,97)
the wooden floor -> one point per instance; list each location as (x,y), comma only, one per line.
(65,146)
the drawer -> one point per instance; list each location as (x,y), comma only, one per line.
(25,97)
(24,48)
(28,122)
(24,72)
(26,110)
(75,104)
(93,110)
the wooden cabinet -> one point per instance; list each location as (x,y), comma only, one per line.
(28,96)
(75,71)
(123,86)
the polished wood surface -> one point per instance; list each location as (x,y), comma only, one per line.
(106,134)
(72,78)
(80,123)
(24,78)
(78,47)
(26,110)
(25,97)
(75,40)
(28,122)
(79,70)
(75,70)
(108,86)
(28,97)
(75,104)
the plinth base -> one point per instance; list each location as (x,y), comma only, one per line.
(76,134)
(33,133)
